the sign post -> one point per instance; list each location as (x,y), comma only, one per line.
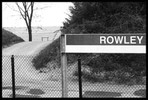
(63,67)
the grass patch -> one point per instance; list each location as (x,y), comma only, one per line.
(25,96)
(101,94)
(8,38)
(36,92)
(16,87)
(141,92)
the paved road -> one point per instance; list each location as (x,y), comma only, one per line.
(25,48)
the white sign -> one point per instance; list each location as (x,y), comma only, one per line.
(105,43)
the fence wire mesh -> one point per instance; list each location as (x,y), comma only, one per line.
(106,78)
(98,81)
(29,81)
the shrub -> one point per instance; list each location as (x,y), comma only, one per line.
(49,54)
(103,68)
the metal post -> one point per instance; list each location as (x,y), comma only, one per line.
(63,67)
(13,76)
(80,80)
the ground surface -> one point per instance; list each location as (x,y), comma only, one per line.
(31,84)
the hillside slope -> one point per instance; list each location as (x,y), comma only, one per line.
(9,38)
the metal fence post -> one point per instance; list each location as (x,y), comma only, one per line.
(13,76)
(80,74)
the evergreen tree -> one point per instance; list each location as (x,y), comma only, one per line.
(106,17)
(110,17)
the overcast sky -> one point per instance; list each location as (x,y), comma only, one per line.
(53,14)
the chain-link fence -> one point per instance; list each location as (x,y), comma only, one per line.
(29,81)
(100,78)
(104,77)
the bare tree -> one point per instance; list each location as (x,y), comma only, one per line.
(26,11)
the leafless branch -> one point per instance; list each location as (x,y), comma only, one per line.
(24,11)
(11,7)
(20,10)
(41,8)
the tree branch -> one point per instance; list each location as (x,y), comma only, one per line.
(11,7)
(32,5)
(20,10)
